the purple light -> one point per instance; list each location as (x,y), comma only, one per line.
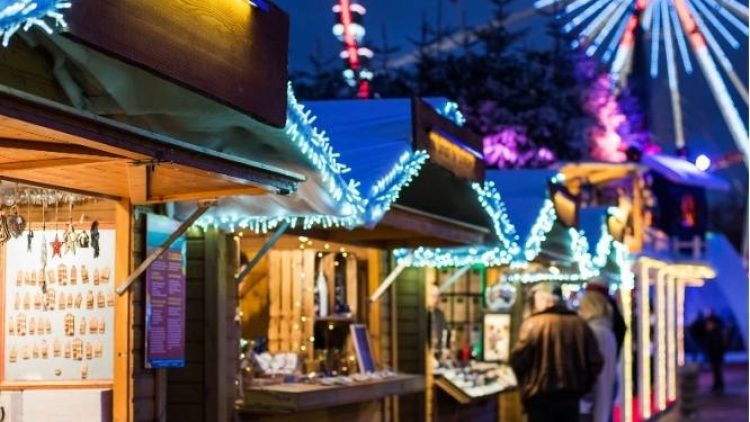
(703,162)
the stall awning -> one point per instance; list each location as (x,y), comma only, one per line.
(48,144)
(683,172)
(128,96)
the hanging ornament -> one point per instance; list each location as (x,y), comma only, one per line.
(16,222)
(30,234)
(70,237)
(84,241)
(56,244)
(95,238)
(43,249)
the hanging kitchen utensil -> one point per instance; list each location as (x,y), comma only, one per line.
(70,237)
(30,234)
(84,241)
(95,238)
(56,244)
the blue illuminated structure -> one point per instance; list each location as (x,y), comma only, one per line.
(610,28)
(22,15)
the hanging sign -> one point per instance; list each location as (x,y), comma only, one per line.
(165,296)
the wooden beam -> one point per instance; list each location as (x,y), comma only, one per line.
(125,286)
(138,183)
(54,119)
(57,186)
(55,147)
(199,195)
(122,390)
(45,164)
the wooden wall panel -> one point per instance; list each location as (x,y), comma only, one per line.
(185,386)
(225,49)
(411,337)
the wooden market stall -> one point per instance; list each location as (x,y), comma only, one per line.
(329,248)
(85,167)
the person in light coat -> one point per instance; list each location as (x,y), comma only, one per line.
(597,312)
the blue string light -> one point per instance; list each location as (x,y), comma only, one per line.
(22,15)
(451,111)
(387,190)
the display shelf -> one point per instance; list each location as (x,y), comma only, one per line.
(337,318)
(465,391)
(297,397)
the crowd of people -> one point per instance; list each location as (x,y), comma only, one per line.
(566,362)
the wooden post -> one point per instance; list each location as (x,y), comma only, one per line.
(122,394)
(216,277)
(637,213)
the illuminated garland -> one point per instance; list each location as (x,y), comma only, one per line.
(316,146)
(387,190)
(579,246)
(542,226)
(451,112)
(538,277)
(493,204)
(457,257)
(22,15)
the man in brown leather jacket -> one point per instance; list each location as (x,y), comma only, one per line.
(556,359)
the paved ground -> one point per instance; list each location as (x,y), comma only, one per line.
(732,406)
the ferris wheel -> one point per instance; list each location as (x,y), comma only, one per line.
(609,28)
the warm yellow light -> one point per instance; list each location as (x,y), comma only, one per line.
(627,356)
(644,340)
(661,340)
(303,239)
(671,339)
(452,156)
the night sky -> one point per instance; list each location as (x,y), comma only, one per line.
(311,22)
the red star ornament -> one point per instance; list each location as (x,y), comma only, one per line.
(56,247)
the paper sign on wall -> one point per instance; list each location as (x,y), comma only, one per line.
(165,296)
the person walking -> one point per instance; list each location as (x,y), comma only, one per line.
(556,359)
(597,312)
(619,327)
(715,347)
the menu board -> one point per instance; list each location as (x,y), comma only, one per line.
(58,317)
(165,296)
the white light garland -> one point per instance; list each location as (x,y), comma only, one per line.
(451,111)
(493,204)
(387,190)
(538,234)
(456,257)
(22,15)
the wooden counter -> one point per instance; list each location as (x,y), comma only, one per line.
(318,402)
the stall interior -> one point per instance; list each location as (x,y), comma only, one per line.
(57,260)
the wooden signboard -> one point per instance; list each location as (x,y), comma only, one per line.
(452,147)
(228,50)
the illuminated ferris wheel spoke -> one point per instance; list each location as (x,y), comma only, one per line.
(726,14)
(736,7)
(584,15)
(716,23)
(715,83)
(709,37)
(655,36)
(595,26)
(607,30)
(572,7)
(647,15)
(681,43)
(612,47)
(715,48)
(674,90)
(543,4)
